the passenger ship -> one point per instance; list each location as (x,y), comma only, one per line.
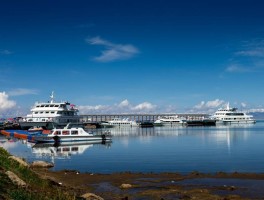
(51,114)
(170,120)
(232,116)
(117,122)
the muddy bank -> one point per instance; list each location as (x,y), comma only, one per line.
(161,185)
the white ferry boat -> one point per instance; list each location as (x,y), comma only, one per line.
(170,120)
(232,116)
(51,114)
(117,122)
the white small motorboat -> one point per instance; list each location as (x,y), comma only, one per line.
(74,134)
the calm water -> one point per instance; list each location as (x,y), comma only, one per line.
(158,149)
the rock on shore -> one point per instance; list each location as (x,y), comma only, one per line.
(41,164)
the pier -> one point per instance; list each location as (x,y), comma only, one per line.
(96,118)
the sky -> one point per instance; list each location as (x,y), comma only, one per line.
(124,56)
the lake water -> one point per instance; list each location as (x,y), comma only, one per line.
(158,149)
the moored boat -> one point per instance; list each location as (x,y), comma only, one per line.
(35,129)
(170,120)
(74,134)
(50,114)
(232,116)
(117,122)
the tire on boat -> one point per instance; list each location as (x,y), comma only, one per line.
(56,139)
(103,137)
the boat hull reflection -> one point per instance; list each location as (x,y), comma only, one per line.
(65,149)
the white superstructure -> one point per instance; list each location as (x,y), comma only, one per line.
(58,113)
(231,115)
(117,122)
(170,120)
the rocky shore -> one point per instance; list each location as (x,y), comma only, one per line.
(162,185)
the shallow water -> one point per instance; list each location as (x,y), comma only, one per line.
(252,189)
(158,149)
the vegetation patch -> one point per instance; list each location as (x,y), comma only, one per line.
(36,187)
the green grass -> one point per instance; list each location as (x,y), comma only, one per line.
(37,188)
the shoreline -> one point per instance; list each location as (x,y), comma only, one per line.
(128,185)
(71,184)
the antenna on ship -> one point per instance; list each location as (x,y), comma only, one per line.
(52,97)
(227,106)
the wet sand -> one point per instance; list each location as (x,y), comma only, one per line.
(161,185)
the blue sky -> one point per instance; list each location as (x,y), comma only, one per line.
(132,56)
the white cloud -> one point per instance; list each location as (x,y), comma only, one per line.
(252,48)
(5,103)
(124,103)
(22,91)
(207,107)
(243,104)
(257,52)
(238,68)
(209,104)
(250,57)
(96,108)
(254,110)
(113,51)
(123,107)
(5,52)
(146,106)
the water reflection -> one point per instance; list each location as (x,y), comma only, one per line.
(8,143)
(64,150)
(149,131)
(221,135)
(180,149)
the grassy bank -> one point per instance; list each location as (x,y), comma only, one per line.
(36,188)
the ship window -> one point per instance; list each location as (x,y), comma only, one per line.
(64,149)
(46,105)
(57,133)
(56,105)
(47,112)
(42,106)
(65,133)
(52,112)
(75,148)
(36,112)
(41,112)
(74,132)
(43,120)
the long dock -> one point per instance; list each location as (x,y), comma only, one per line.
(95,118)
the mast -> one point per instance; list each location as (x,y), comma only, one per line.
(52,97)
(227,106)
